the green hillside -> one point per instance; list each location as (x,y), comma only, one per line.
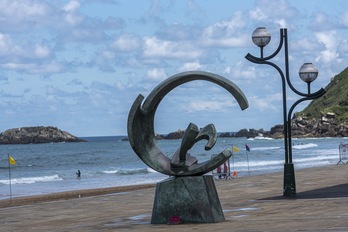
(334,101)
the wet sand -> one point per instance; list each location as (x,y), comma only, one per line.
(252,203)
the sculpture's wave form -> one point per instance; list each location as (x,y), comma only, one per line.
(141,127)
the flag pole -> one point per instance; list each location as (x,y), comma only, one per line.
(232,158)
(9,174)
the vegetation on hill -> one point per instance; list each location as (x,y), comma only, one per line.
(334,101)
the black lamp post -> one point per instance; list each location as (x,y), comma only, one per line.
(308,73)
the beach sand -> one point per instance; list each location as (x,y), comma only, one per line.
(252,203)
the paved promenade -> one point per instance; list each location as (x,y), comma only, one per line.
(249,203)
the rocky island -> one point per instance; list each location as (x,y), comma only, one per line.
(36,134)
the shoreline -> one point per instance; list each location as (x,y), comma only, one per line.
(66,195)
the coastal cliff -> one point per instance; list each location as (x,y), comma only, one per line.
(37,134)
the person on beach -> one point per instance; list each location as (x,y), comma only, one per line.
(78,173)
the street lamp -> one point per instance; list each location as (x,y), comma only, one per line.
(261,37)
(308,73)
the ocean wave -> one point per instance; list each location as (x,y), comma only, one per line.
(264,148)
(304,146)
(260,138)
(128,171)
(32,180)
(261,163)
(318,152)
(316,158)
(311,161)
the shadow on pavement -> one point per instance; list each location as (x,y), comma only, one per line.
(336,191)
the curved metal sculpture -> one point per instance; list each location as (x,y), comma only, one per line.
(142,136)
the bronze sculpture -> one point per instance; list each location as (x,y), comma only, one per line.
(142,136)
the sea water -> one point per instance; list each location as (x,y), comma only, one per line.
(110,162)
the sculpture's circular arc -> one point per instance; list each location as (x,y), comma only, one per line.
(141,124)
(158,93)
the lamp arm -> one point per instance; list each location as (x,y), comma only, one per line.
(274,53)
(320,91)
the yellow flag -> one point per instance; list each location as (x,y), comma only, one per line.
(11,160)
(235,149)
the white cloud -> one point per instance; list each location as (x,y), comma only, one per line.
(213,106)
(266,104)
(240,41)
(22,9)
(344,19)
(19,15)
(258,14)
(241,71)
(189,66)
(227,27)
(72,19)
(226,33)
(42,51)
(156,74)
(305,44)
(278,12)
(5,44)
(281,23)
(320,21)
(32,68)
(156,48)
(329,40)
(343,47)
(107,56)
(126,43)
(71,6)
(71,16)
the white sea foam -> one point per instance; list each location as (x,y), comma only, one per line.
(127,171)
(264,148)
(31,180)
(111,172)
(315,158)
(304,146)
(260,138)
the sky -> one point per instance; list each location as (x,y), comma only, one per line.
(79,65)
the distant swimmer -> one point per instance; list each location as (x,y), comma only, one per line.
(78,174)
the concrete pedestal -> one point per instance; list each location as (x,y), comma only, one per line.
(191,199)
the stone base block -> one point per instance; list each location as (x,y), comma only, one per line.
(191,199)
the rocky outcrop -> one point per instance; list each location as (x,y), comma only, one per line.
(251,133)
(226,134)
(37,134)
(301,127)
(175,135)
